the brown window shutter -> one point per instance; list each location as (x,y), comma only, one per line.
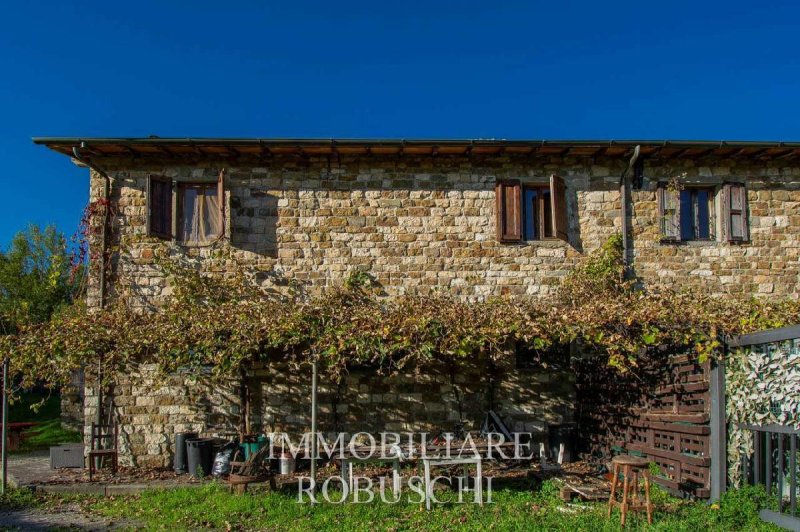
(221,197)
(558,200)
(734,212)
(669,214)
(508,198)
(159,207)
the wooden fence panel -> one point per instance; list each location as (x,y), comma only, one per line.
(661,413)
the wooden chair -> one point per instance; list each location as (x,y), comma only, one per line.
(631,468)
(104,441)
(252,471)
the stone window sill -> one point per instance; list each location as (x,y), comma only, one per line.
(692,243)
(549,243)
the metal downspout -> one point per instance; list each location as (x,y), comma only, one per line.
(624,192)
(103,248)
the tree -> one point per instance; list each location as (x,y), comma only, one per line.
(38,276)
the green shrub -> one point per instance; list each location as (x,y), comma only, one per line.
(16,499)
(739,508)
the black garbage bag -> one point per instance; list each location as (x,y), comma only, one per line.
(223,459)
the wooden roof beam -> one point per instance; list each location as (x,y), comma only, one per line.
(130,151)
(655,153)
(163,151)
(265,151)
(705,153)
(788,154)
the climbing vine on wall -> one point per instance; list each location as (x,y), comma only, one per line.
(762,384)
(226,323)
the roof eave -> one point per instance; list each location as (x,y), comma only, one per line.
(257,147)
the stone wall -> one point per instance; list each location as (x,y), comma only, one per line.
(420,224)
(72,402)
(150,410)
(72,408)
(432,400)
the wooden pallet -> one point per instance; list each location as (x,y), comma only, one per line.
(584,492)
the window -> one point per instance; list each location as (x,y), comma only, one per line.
(200,219)
(531,212)
(689,214)
(696,208)
(537,213)
(192,213)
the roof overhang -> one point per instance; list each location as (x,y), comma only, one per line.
(249,148)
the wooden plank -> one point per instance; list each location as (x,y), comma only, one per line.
(678,428)
(763,337)
(717,441)
(586,493)
(683,387)
(678,487)
(699,417)
(780,429)
(703,461)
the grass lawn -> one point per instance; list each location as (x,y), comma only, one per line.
(47,434)
(49,431)
(212,506)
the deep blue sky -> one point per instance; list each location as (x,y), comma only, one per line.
(706,70)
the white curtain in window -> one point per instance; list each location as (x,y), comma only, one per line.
(202,221)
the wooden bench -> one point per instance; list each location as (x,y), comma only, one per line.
(14,434)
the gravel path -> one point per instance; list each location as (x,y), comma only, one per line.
(66,516)
(32,468)
(29,468)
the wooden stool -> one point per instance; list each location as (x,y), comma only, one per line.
(631,468)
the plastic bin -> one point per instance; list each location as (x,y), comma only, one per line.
(200,457)
(68,455)
(180,465)
(251,447)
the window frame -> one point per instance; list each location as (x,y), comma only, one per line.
(509,221)
(177,184)
(663,192)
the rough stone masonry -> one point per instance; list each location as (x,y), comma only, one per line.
(417,223)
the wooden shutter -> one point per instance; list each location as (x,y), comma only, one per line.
(558,201)
(734,212)
(508,198)
(221,198)
(159,207)
(669,214)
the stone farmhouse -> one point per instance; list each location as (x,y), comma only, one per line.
(476,218)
